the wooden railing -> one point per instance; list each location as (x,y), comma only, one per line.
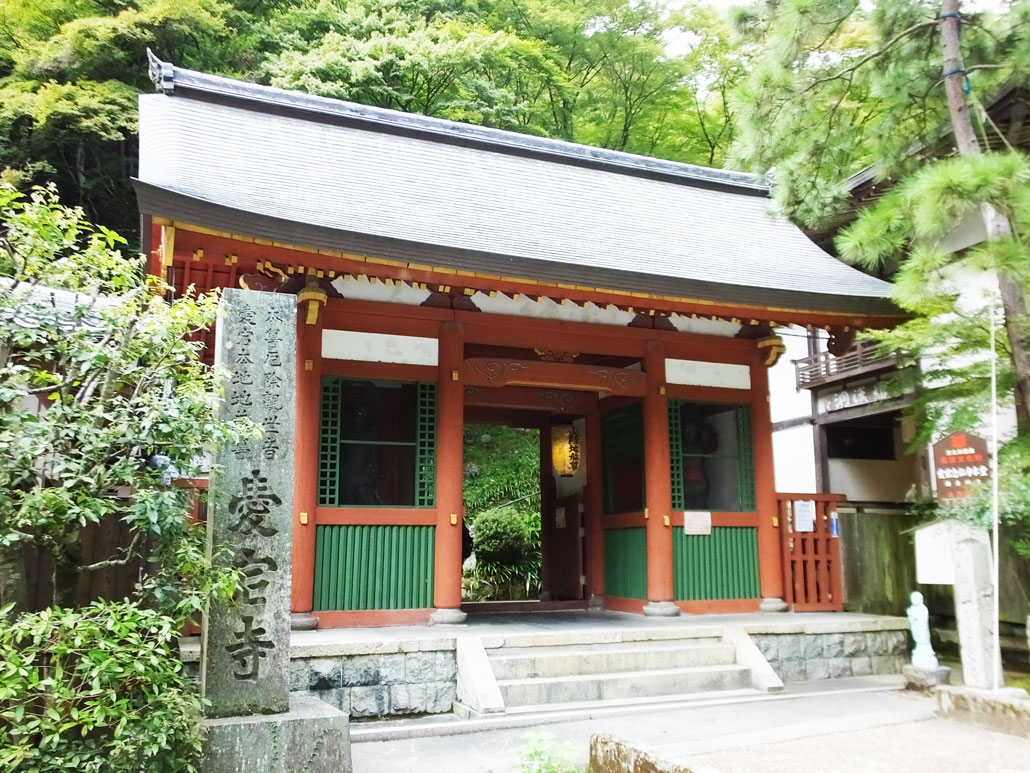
(823,367)
(811,552)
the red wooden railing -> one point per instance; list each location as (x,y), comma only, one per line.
(811,559)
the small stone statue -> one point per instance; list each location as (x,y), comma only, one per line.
(919,620)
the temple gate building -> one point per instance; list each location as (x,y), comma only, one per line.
(448,274)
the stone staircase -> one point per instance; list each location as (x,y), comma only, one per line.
(555,671)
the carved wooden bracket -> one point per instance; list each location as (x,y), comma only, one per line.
(773,347)
(841,339)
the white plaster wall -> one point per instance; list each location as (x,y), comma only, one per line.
(712,374)
(868,480)
(794,460)
(379,347)
(873,480)
(785,400)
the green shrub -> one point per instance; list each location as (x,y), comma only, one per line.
(95,689)
(500,536)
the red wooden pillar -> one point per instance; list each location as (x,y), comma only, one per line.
(770,560)
(450,423)
(595,504)
(657,486)
(305,466)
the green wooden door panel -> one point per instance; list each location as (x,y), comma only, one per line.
(723,565)
(373,567)
(625,563)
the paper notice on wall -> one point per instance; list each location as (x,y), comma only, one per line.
(559,518)
(697,523)
(804,515)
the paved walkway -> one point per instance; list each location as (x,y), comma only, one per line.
(705,733)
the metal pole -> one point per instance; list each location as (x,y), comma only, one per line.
(994,493)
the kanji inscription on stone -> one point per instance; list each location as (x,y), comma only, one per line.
(246,644)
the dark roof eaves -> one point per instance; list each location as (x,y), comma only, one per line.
(212,88)
(158,201)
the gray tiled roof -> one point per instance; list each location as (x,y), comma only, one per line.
(334,174)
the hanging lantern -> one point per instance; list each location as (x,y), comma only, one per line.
(565,450)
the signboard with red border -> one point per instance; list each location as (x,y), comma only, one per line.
(960,460)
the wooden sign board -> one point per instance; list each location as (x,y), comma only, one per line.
(960,460)
(695,522)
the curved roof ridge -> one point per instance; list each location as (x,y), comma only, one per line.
(170,78)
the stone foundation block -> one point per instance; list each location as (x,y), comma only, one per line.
(925,678)
(338,697)
(789,647)
(446,667)
(811,647)
(391,669)
(854,644)
(792,671)
(359,671)
(369,701)
(419,667)
(861,666)
(312,737)
(324,674)
(408,699)
(887,664)
(833,645)
(817,669)
(838,668)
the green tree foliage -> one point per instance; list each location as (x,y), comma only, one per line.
(93,389)
(502,491)
(96,689)
(841,84)
(591,71)
(949,334)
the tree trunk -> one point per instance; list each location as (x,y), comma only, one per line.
(996,226)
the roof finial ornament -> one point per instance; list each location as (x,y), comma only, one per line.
(162,73)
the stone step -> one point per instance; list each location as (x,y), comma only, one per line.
(670,632)
(632,684)
(533,662)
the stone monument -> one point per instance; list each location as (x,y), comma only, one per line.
(254,723)
(924,671)
(959,554)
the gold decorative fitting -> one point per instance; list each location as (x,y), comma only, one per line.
(315,297)
(774,349)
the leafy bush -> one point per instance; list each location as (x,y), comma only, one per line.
(501,536)
(95,689)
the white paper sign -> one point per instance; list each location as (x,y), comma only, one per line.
(559,518)
(804,515)
(695,522)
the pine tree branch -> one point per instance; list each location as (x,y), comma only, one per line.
(871,55)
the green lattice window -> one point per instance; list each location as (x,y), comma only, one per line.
(378,443)
(622,459)
(711,456)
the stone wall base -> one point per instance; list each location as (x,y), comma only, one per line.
(801,657)
(312,737)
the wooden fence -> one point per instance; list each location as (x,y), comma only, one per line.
(878,558)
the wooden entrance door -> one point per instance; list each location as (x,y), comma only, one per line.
(811,552)
(566,550)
